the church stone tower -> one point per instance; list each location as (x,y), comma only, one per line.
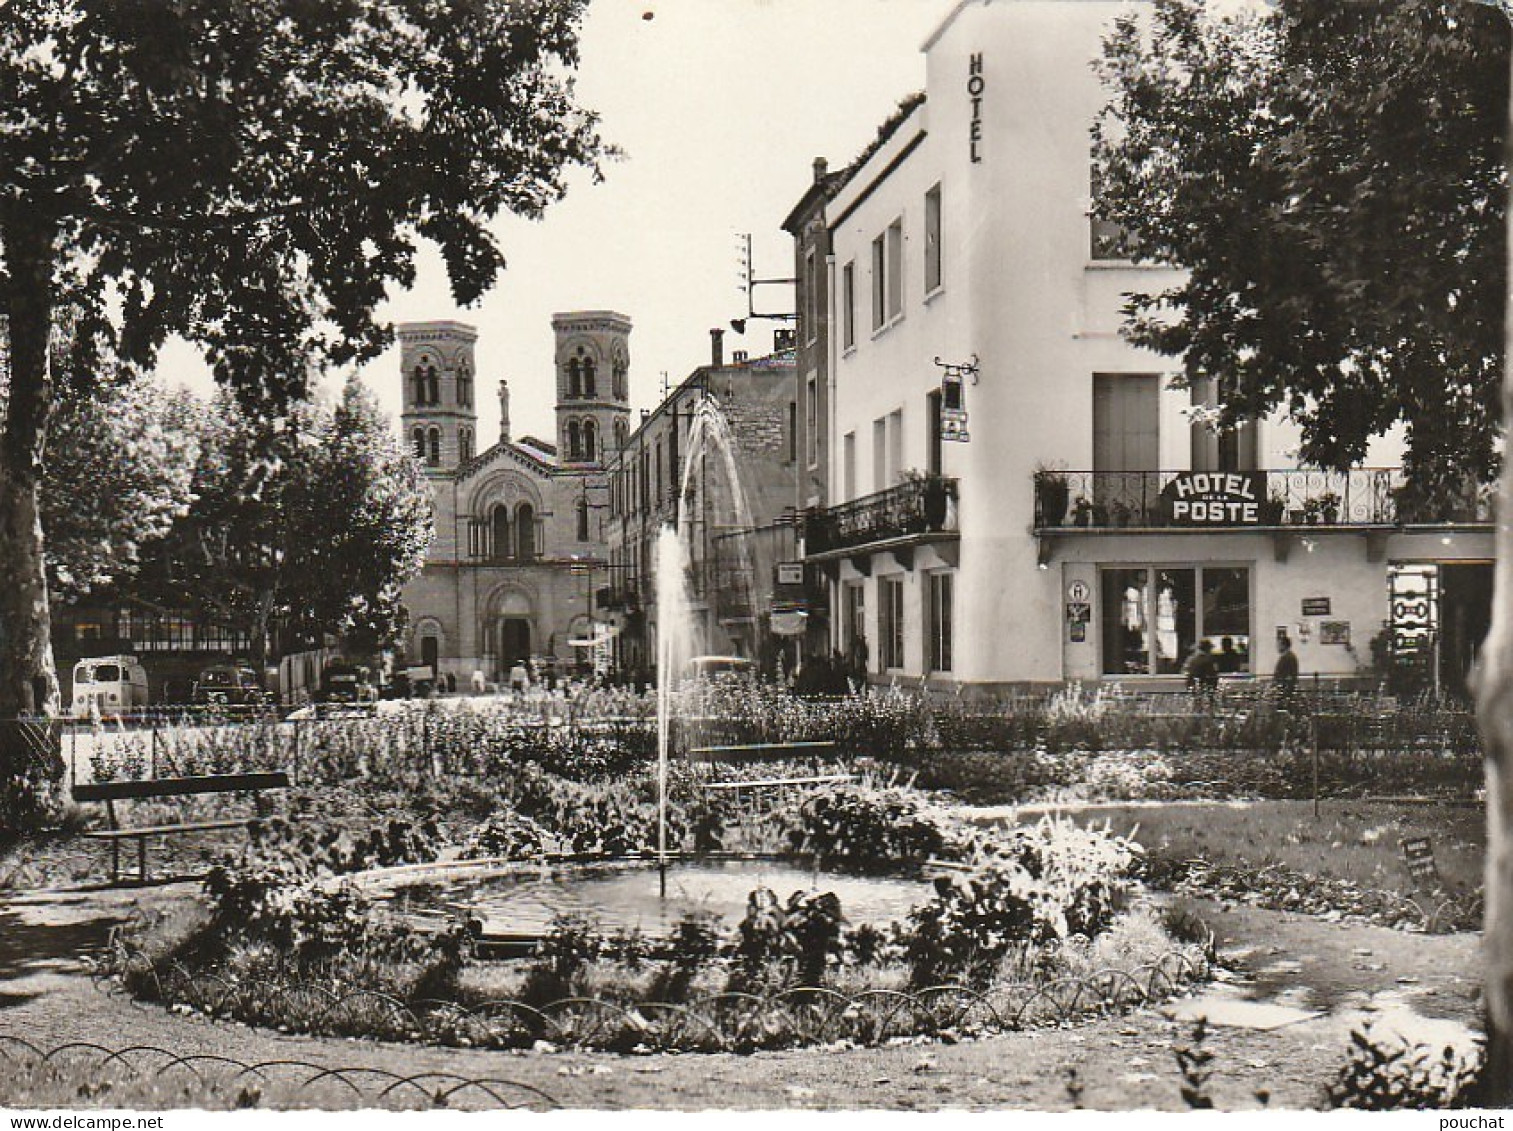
(440,422)
(593,384)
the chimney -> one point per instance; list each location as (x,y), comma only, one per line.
(717,347)
(821,167)
(504,412)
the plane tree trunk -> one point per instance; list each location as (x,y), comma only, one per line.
(30,763)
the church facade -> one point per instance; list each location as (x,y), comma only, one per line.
(519,542)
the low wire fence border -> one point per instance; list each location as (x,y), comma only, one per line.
(364,1084)
(726,1022)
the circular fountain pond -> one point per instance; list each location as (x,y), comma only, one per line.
(515,904)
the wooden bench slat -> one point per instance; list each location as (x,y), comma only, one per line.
(161,830)
(825,780)
(761,746)
(180,787)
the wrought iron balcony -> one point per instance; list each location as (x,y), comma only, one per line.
(916,507)
(1104,500)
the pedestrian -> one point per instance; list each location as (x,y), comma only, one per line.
(479,684)
(519,679)
(1202,671)
(1284,677)
(1229,660)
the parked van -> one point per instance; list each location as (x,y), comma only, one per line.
(108,685)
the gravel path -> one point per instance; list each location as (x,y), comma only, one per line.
(1122,1063)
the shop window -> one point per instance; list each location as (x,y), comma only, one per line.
(940,613)
(1152,617)
(890,621)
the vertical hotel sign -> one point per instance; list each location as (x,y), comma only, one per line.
(975,86)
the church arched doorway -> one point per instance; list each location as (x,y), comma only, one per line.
(514,641)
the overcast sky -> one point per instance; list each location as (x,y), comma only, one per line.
(720,107)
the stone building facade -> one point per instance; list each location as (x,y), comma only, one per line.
(519,529)
(732,565)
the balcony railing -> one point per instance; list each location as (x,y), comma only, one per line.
(1187,499)
(915,507)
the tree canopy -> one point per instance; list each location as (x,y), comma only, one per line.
(253,176)
(1331,176)
(308,524)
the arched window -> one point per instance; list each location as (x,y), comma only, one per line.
(500,530)
(525,530)
(582,518)
(434,455)
(420,385)
(619,374)
(620,435)
(433,386)
(574,442)
(574,379)
(464,445)
(588,378)
(464,387)
(419,438)
(590,439)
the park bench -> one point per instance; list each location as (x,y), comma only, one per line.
(112,791)
(778,783)
(761,751)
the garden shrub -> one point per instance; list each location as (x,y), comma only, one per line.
(1387,1073)
(557,965)
(693,944)
(802,936)
(865,827)
(342,847)
(509,836)
(1053,880)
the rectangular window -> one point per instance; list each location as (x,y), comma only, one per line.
(811,298)
(793,432)
(942,588)
(890,622)
(848,305)
(895,271)
(854,627)
(848,467)
(879,283)
(812,419)
(880,481)
(1231,450)
(932,239)
(895,446)
(1126,445)
(932,432)
(1107,239)
(1154,616)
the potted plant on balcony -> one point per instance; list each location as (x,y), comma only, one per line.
(1082,511)
(1052,493)
(1273,511)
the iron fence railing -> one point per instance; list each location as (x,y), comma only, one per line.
(926,505)
(1372,496)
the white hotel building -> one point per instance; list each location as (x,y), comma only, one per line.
(966,237)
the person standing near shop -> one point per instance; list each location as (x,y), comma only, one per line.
(1284,677)
(1202,671)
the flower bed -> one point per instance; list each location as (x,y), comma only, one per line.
(1035,924)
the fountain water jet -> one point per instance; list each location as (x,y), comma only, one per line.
(679,635)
